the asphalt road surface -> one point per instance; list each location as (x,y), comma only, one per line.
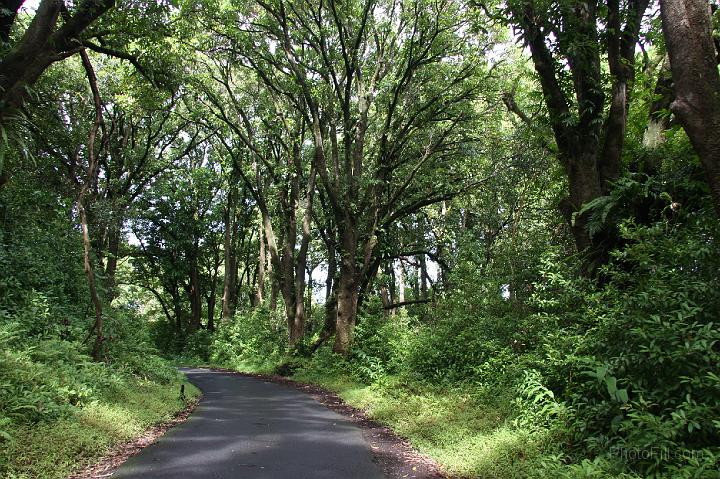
(246,428)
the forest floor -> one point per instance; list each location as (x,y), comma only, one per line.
(120,453)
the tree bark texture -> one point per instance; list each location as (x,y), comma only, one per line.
(42,44)
(347,300)
(91,174)
(687,28)
(229,250)
(589,141)
(195,294)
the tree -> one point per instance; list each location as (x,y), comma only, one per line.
(141,137)
(142,142)
(42,44)
(567,42)
(687,28)
(268,155)
(89,181)
(385,109)
(179,229)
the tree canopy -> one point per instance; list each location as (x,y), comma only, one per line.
(514,200)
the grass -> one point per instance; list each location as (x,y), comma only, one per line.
(54,450)
(470,430)
(468,434)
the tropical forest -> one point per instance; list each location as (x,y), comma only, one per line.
(304,236)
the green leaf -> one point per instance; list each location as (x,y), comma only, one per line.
(611,384)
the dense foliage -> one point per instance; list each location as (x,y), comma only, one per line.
(490,224)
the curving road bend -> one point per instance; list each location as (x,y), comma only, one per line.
(247,428)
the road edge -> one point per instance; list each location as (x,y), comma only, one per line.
(394,453)
(123,451)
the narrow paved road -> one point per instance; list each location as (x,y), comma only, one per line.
(246,428)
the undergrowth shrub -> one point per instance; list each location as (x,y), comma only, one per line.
(640,367)
(44,378)
(380,345)
(198,344)
(469,340)
(249,336)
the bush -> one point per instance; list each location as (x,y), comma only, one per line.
(198,344)
(380,345)
(467,341)
(640,367)
(251,336)
(45,378)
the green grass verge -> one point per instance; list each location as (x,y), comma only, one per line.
(469,435)
(54,450)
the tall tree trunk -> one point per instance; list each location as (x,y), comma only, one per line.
(274,289)
(274,268)
(330,296)
(90,274)
(385,299)
(262,266)
(585,186)
(294,328)
(297,329)
(87,186)
(195,297)
(330,316)
(423,277)
(390,275)
(401,282)
(211,296)
(296,325)
(178,309)
(687,27)
(211,311)
(416,284)
(309,292)
(113,245)
(347,292)
(230,254)
(286,278)
(590,149)
(388,292)
(440,250)
(347,298)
